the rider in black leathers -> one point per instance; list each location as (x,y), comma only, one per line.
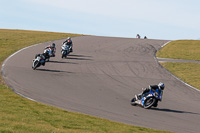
(69,42)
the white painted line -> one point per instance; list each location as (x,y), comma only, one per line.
(2,67)
(165,43)
(25,96)
(185,82)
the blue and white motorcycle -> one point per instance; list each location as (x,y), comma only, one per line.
(148,99)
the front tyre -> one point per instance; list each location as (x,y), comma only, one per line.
(133,102)
(35,64)
(149,102)
(63,54)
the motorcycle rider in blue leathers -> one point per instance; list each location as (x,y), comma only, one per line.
(160,86)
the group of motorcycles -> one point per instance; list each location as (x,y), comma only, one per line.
(146,101)
(40,59)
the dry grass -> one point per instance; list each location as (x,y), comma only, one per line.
(181,49)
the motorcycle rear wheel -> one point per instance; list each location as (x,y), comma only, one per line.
(149,102)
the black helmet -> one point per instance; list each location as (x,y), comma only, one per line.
(161,86)
(53,45)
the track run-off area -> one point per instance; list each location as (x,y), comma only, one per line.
(100,78)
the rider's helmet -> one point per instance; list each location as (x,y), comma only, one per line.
(53,45)
(161,86)
(69,38)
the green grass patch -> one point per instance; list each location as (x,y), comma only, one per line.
(187,50)
(188,72)
(181,49)
(20,115)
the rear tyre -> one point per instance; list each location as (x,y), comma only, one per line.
(155,104)
(149,102)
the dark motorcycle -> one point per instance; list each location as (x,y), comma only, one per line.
(49,52)
(46,54)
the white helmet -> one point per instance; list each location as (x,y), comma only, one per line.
(161,86)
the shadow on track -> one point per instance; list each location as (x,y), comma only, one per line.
(73,55)
(173,111)
(78,57)
(62,62)
(48,70)
(75,58)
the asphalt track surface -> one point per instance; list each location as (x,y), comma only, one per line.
(100,78)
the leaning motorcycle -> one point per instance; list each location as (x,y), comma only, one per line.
(65,51)
(148,100)
(38,61)
(49,52)
(46,54)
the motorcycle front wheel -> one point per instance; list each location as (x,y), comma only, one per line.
(133,102)
(63,54)
(35,64)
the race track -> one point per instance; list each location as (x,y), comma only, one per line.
(100,78)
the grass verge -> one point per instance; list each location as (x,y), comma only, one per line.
(188,72)
(18,114)
(181,49)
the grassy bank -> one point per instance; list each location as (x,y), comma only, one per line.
(188,72)
(183,49)
(20,115)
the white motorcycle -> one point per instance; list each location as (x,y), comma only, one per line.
(65,51)
(38,61)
